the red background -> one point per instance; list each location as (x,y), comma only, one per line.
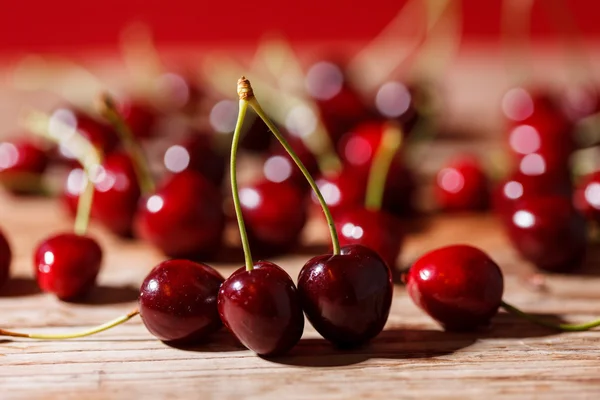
(71,25)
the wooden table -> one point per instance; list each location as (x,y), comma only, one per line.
(412,358)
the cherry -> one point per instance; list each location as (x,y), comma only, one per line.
(178,301)
(279,167)
(339,104)
(183,217)
(548,232)
(67,264)
(587,197)
(399,101)
(139,117)
(262,309)
(116,193)
(274,214)
(462,186)
(459,286)
(178,92)
(20,159)
(376,230)
(580,101)
(101,135)
(5,259)
(347,297)
(196,152)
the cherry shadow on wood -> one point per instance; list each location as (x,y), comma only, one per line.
(20,286)
(591,264)
(106,295)
(221,341)
(509,326)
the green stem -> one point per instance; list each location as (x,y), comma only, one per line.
(391,140)
(62,336)
(234,186)
(561,327)
(140,163)
(330,222)
(84,205)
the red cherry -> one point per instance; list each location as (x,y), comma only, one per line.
(5,259)
(67,265)
(579,102)
(178,301)
(341,107)
(347,297)
(262,309)
(377,230)
(196,152)
(280,167)
(358,146)
(116,193)
(18,159)
(139,117)
(548,232)
(587,196)
(462,186)
(459,286)
(101,135)
(183,218)
(395,100)
(274,214)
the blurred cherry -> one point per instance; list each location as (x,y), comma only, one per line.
(140,118)
(184,218)
(548,232)
(377,230)
(262,309)
(196,152)
(462,186)
(587,196)
(275,215)
(279,166)
(5,259)
(580,101)
(21,160)
(67,264)
(459,286)
(178,301)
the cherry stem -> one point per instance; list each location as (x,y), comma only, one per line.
(234,186)
(84,204)
(108,109)
(561,327)
(63,336)
(391,140)
(246,94)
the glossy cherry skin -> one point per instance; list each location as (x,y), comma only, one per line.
(462,186)
(116,193)
(262,309)
(340,105)
(347,297)
(178,301)
(184,218)
(459,286)
(548,232)
(197,153)
(587,197)
(5,259)
(139,117)
(377,230)
(274,214)
(21,159)
(67,265)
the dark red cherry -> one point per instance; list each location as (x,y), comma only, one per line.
(116,193)
(376,230)
(140,118)
(184,218)
(587,196)
(580,101)
(395,100)
(462,186)
(67,264)
(101,135)
(20,160)
(262,309)
(548,232)
(5,259)
(359,145)
(347,297)
(459,286)
(197,153)
(178,301)
(280,167)
(274,214)
(340,105)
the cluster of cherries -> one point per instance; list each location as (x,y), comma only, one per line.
(346,295)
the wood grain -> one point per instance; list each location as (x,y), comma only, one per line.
(412,358)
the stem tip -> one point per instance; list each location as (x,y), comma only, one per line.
(244,89)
